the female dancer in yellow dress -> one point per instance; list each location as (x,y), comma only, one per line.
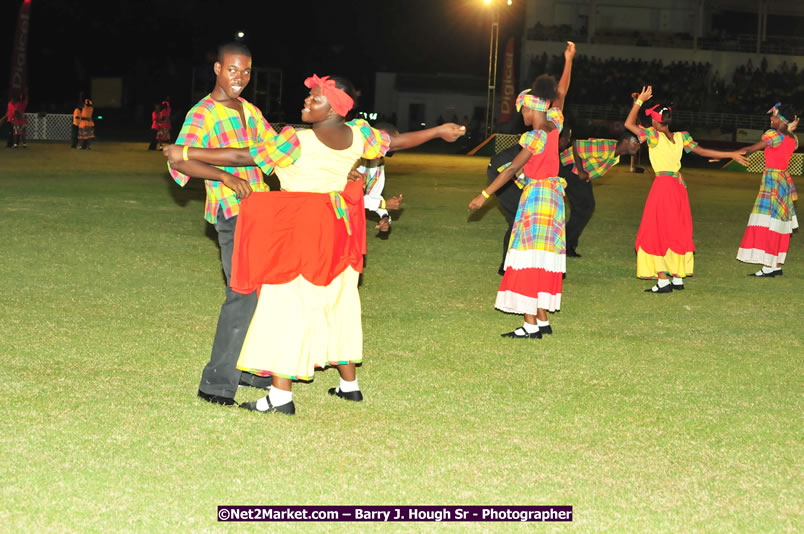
(302,248)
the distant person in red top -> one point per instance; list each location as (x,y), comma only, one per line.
(16,117)
(163,134)
(156,114)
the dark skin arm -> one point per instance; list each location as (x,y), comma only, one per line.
(241,157)
(448,132)
(631,122)
(504,177)
(564,82)
(196,169)
(582,174)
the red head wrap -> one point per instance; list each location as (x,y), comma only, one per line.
(656,115)
(337,98)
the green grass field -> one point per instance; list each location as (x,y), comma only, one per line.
(646,413)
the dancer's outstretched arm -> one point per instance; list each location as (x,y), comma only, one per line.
(564,82)
(630,121)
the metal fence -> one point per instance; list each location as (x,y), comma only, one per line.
(49,127)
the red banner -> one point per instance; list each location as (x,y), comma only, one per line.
(18,79)
(508,93)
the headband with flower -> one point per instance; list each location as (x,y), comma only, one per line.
(341,102)
(657,115)
(531,102)
(776,113)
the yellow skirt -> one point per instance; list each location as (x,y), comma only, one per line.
(299,326)
(680,265)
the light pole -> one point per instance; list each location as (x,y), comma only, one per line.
(493,46)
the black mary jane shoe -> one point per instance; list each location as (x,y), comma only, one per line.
(287,409)
(216,399)
(666,289)
(763,274)
(677,287)
(520,333)
(545,329)
(355,396)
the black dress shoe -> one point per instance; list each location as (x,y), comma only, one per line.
(520,333)
(677,287)
(546,329)
(248,380)
(355,396)
(763,274)
(216,399)
(666,289)
(572,254)
(287,409)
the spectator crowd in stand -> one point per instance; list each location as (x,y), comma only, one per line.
(688,85)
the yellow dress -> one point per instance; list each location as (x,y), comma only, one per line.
(664,240)
(299,326)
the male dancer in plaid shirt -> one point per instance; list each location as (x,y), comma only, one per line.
(581,162)
(224,119)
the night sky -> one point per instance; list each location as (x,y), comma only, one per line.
(153,45)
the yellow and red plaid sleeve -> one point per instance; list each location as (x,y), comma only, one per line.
(567,157)
(194,132)
(375,142)
(534,141)
(597,156)
(556,116)
(689,142)
(650,135)
(772,138)
(281,150)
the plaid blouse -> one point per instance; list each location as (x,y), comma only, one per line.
(596,155)
(210,124)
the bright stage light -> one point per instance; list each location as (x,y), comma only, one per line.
(240,35)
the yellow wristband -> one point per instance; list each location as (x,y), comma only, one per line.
(485,195)
(638,102)
(184,153)
(382,204)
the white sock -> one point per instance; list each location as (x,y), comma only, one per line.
(542,323)
(347,387)
(768,270)
(678,281)
(278,397)
(663,282)
(530,328)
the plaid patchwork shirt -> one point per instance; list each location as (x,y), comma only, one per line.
(210,124)
(597,156)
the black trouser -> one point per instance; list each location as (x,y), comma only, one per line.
(581,198)
(74,136)
(154,141)
(221,376)
(508,195)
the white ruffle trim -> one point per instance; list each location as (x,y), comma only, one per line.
(775,225)
(536,259)
(755,255)
(511,302)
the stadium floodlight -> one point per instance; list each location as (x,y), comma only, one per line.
(240,35)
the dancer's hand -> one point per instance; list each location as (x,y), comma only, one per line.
(384,225)
(173,153)
(646,94)
(793,125)
(583,175)
(477,202)
(449,131)
(569,53)
(240,186)
(393,203)
(739,157)
(355,175)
